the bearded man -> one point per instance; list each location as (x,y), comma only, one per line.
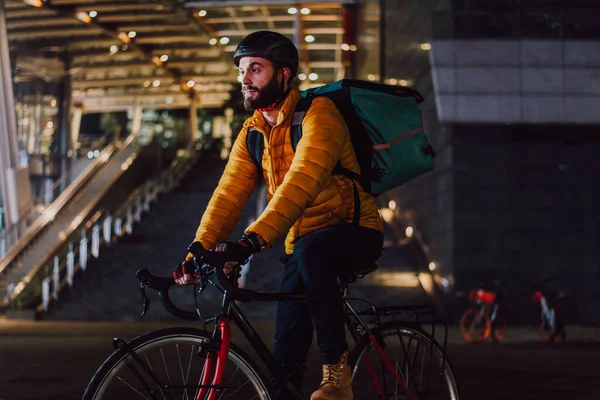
(331,223)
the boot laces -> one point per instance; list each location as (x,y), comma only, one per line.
(332,374)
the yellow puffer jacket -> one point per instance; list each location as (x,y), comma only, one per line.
(303,195)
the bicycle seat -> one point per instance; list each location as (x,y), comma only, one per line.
(357,274)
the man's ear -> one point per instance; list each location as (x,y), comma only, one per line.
(286,72)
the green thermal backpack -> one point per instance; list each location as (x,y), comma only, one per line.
(385,127)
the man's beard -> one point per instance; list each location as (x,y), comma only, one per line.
(266,95)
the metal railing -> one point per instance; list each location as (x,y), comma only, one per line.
(28,238)
(57,273)
(70,182)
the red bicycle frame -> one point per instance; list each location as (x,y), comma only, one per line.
(220,360)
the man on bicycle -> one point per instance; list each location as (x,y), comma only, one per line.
(332,224)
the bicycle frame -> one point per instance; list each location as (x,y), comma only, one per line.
(230,311)
(547,311)
(216,349)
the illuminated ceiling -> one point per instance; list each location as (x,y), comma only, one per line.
(157,53)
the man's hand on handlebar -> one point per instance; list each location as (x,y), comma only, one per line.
(241,250)
(237,252)
(185,273)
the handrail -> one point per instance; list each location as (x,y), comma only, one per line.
(146,192)
(25,222)
(50,213)
(49,216)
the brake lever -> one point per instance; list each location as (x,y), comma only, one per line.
(145,298)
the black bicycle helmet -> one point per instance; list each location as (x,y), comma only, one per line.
(273,46)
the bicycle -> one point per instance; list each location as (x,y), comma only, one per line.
(549,323)
(488,318)
(205,365)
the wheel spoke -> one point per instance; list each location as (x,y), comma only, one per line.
(170,364)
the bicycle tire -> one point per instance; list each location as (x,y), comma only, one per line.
(443,377)
(499,327)
(466,328)
(145,347)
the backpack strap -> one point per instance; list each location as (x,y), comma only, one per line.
(296,134)
(256,146)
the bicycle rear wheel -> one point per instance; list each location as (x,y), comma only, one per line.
(165,364)
(416,358)
(499,326)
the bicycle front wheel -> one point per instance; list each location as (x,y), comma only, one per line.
(415,357)
(475,325)
(165,364)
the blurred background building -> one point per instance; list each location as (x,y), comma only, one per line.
(512,93)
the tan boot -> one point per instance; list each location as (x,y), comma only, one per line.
(336,383)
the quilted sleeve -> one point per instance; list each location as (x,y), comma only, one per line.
(225,207)
(323,134)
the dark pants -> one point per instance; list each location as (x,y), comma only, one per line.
(318,259)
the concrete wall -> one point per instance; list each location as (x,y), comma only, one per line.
(516,81)
(527,210)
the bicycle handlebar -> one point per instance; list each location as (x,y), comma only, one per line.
(209,262)
(218,260)
(162,285)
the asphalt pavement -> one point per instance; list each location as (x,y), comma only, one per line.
(55,360)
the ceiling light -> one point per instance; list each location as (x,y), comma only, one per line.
(212,41)
(202,13)
(35,3)
(224,40)
(345,46)
(309,38)
(305,11)
(83,17)
(425,46)
(132,34)
(371,77)
(164,58)
(124,47)
(114,48)
(191,83)
(353,47)
(93,14)
(292,10)
(147,84)
(123,36)
(302,77)
(403,82)
(393,81)
(313,76)
(156,83)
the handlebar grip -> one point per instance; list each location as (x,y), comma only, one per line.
(218,261)
(162,285)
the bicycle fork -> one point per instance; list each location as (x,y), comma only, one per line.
(216,358)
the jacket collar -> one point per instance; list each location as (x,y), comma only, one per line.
(258,121)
